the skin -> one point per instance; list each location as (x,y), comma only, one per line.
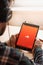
(2,28)
(13,38)
(11,42)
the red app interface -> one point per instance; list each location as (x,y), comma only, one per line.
(27,36)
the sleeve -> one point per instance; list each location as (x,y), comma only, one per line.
(38,56)
(10,55)
(16,55)
(25,61)
(19,57)
(13,56)
(3,43)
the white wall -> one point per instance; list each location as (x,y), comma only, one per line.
(28,3)
(35,17)
(27,10)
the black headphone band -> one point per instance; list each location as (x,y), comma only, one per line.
(5,14)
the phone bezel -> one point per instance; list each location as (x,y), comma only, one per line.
(23,48)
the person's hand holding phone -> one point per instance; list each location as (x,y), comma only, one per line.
(12,41)
(38,43)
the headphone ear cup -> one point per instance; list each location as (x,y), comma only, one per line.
(5,14)
(9,15)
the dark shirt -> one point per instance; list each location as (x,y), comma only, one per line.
(11,56)
(38,56)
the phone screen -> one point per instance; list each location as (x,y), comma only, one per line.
(27,36)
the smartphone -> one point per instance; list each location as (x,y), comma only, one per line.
(27,36)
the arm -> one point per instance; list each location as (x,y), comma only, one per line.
(38,56)
(12,56)
(12,41)
(23,60)
(9,55)
(38,52)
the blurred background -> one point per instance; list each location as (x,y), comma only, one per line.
(30,11)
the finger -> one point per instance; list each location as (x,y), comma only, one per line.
(41,40)
(17,35)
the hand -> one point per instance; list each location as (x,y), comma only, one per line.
(12,41)
(38,43)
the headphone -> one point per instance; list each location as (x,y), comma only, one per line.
(5,12)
